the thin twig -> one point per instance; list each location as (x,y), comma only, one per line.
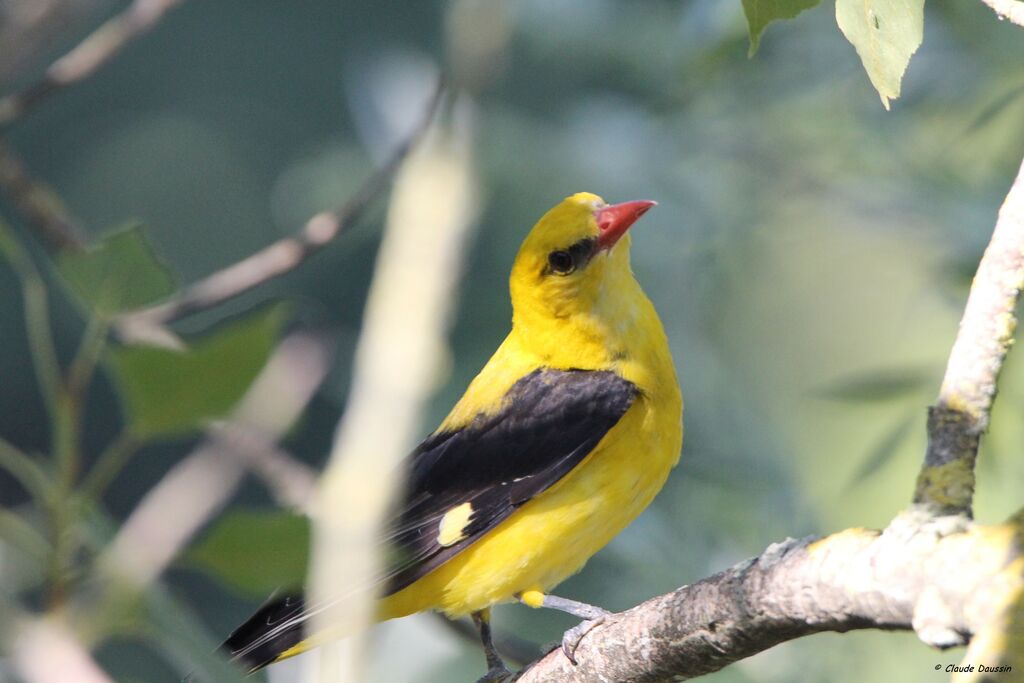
(286,254)
(192,492)
(290,482)
(37,320)
(26,470)
(956,423)
(1013,10)
(295,368)
(64,413)
(88,56)
(39,204)
(87,357)
(43,211)
(16,530)
(109,464)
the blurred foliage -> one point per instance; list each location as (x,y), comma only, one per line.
(809,257)
(119,274)
(760,13)
(881,385)
(254,551)
(172,391)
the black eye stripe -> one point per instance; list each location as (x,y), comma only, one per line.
(565,261)
(582,251)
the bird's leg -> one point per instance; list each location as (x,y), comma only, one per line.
(573,607)
(496,670)
(592,616)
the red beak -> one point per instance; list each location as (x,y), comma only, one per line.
(614,220)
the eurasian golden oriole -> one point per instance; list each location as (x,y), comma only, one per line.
(564,437)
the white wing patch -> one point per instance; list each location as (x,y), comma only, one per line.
(453,525)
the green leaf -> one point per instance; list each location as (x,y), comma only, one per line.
(886,33)
(169,392)
(120,273)
(255,552)
(760,13)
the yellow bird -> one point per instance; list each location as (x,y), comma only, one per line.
(564,437)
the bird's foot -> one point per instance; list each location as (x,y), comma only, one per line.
(574,636)
(497,674)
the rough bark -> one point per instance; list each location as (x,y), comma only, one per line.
(956,423)
(942,577)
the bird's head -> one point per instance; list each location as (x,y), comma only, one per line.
(574,265)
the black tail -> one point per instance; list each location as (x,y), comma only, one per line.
(271,631)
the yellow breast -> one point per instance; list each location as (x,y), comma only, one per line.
(552,536)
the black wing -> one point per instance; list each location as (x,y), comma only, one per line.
(273,629)
(548,422)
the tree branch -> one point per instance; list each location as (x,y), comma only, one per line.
(88,56)
(401,347)
(286,254)
(942,580)
(39,204)
(46,652)
(1008,9)
(945,484)
(200,484)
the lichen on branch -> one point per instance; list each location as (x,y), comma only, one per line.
(959,418)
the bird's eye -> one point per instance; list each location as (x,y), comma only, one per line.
(561,262)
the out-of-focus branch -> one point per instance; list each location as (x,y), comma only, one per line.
(956,423)
(39,204)
(291,378)
(286,254)
(292,483)
(1013,10)
(204,481)
(37,320)
(24,469)
(31,28)
(400,349)
(43,211)
(45,652)
(88,56)
(188,495)
(920,573)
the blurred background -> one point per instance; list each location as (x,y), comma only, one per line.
(810,254)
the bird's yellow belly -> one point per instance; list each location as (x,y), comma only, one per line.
(552,536)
